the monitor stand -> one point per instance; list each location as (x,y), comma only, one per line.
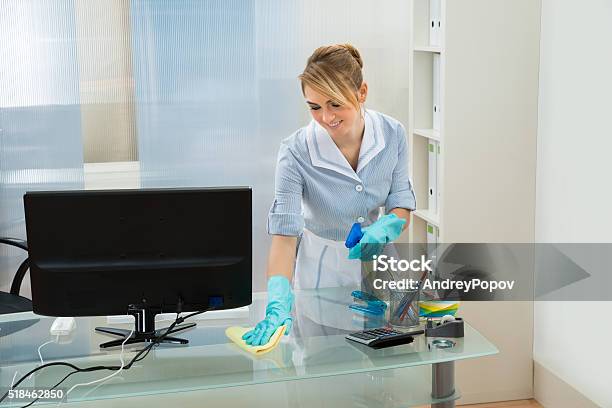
(144,331)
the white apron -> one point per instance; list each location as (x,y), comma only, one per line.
(323,263)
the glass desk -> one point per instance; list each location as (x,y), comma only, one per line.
(316,353)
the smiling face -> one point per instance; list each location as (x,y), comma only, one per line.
(341,121)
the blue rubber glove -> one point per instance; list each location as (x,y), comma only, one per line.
(278,312)
(387,229)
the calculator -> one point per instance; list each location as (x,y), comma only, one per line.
(382,337)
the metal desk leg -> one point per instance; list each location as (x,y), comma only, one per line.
(443,383)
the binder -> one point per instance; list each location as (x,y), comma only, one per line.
(435,24)
(436,92)
(432,176)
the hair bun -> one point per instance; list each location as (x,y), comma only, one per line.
(335,72)
(353,51)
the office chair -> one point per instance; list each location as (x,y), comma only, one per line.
(12,302)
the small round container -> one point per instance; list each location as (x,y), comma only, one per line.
(443,343)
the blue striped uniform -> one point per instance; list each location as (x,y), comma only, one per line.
(316,188)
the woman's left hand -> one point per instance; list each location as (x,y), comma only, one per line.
(387,229)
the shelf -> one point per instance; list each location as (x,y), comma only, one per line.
(427,48)
(428,216)
(428,133)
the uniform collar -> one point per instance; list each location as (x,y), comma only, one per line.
(324,152)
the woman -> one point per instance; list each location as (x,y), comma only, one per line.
(339,170)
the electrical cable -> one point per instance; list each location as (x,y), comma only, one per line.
(40,354)
(89,369)
(13,381)
(56,363)
(55,386)
(44,344)
(110,375)
(119,377)
(139,356)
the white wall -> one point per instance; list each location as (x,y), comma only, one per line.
(574,196)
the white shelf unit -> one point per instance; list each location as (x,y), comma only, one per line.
(422,130)
(488,92)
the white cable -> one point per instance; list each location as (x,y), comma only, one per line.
(13,381)
(41,346)
(108,376)
(101,384)
(40,354)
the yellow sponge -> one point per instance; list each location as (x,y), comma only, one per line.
(235,334)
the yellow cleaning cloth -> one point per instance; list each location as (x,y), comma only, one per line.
(235,334)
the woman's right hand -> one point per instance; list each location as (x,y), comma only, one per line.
(278,312)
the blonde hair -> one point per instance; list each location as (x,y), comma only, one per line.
(335,71)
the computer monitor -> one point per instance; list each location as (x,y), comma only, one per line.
(141,252)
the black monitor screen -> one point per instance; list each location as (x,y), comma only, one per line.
(96,252)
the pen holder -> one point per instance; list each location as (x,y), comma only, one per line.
(404,308)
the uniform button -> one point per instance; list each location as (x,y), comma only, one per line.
(359,187)
(360,219)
